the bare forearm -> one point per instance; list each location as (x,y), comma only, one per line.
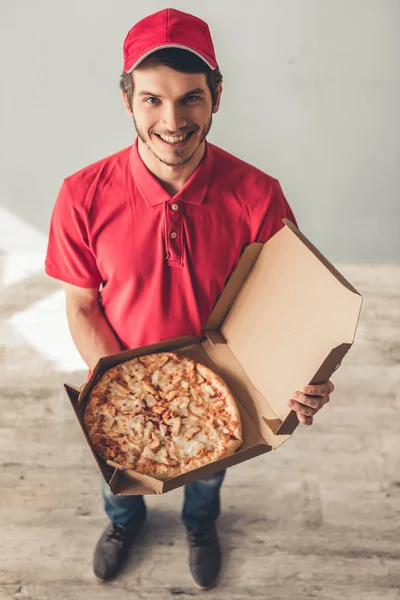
(92,334)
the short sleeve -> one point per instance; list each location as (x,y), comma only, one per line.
(269,215)
(69,257)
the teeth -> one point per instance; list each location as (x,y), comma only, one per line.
(173,140)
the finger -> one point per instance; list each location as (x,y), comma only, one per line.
(323,389)
(304,419)
(301,408)
(316,402)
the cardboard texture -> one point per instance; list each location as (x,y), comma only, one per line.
(285,319)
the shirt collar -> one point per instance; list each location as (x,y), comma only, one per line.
(193,191)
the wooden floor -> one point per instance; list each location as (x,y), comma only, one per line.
(319,518)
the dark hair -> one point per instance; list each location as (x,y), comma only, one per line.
(179,60)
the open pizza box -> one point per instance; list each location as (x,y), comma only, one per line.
(285,319)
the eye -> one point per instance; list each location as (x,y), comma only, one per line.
(191,99)
(150,100)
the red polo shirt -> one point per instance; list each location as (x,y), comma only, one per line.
(161,261)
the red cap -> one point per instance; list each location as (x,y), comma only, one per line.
(168,28)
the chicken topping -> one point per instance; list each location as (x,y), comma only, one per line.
(155,442)
(121,388)
(189,433)
(176,427)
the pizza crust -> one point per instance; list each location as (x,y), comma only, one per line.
(162,415)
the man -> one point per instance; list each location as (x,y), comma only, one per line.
(144,241)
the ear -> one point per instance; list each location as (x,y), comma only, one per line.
(219,92)
(127,106)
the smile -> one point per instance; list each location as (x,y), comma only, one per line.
(178,140)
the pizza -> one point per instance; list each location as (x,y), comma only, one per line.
(162,415)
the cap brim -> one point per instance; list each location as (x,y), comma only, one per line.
(141,59)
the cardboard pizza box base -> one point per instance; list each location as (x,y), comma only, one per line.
(285,319)
(123,481)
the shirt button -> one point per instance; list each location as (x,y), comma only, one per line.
(174,207)
(173,235)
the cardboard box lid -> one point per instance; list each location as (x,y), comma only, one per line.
(293,312)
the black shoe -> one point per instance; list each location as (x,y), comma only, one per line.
(112,549)
(204,556)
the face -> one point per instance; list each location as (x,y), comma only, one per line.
(172,112)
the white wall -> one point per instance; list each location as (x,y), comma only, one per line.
(311,96)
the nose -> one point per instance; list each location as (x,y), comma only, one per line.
(173,120)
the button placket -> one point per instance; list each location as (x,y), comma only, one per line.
(173,216)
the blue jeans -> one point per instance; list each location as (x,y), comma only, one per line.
(200,508)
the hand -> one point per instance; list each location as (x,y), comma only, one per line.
(310,400)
